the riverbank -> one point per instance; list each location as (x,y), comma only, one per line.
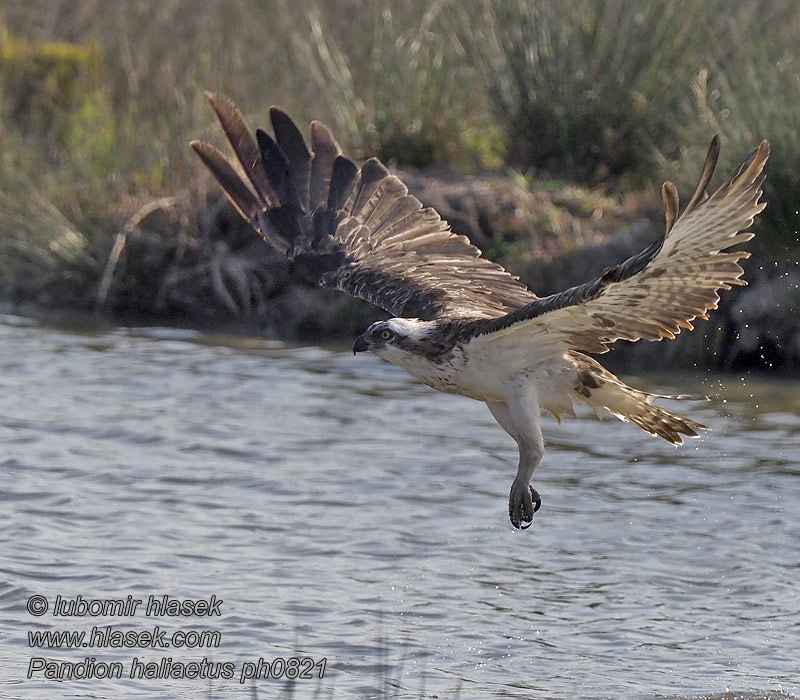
(190,261)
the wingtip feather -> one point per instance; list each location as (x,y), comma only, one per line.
(243,145)
(240,195)
(712,157)
(671,204)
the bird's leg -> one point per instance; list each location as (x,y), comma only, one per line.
(520,419)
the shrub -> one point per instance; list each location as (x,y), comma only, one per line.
(586,90)
(38,246)
(46,85)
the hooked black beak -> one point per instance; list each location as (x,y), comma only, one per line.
(360,344)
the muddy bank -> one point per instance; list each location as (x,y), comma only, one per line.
(191,260)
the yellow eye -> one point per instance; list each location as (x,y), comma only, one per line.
(385,334)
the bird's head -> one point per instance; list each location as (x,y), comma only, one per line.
(397,334)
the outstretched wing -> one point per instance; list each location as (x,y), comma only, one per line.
(354,229)
(654,294)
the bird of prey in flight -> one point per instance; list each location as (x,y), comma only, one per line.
(462,324)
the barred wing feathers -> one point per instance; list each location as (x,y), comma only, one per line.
(655,294)
(354,229)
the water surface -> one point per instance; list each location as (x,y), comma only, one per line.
(342,511)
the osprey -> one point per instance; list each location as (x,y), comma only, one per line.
(463,325)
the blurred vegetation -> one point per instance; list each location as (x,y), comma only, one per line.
(98,101)
(410,100)
(588,89)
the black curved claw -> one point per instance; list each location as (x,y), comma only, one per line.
(536,498)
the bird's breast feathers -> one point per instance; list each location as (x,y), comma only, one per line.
(470,370)
(450,372)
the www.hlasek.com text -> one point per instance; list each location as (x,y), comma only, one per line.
(112,638)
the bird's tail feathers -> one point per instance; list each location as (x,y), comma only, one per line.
(602,390)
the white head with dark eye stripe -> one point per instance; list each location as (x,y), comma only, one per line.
(400,333)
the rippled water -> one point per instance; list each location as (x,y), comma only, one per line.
(342,511)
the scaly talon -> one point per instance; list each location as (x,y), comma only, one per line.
(522,504)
